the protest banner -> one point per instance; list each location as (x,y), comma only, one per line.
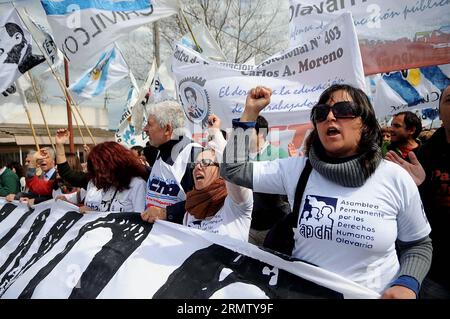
(53,251)
(297,77)
(393,35)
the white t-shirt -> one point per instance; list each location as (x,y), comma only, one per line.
(350,231)
(128,200)
(232,219)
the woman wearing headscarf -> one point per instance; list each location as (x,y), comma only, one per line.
(215,205)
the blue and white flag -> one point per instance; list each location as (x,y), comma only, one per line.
(110,68)
(126,133)
(411,89)
(138,113)
(82,28)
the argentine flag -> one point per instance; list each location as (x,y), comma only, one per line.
(110,68)
(83,27)
(411,89)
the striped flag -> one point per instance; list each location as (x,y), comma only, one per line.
(82,28)
(418,88)
(110,68)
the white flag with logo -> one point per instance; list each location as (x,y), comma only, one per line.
(297,77)
(82,28)
(17,54)
(110,68)
(41,35)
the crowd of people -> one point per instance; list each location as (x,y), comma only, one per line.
(368,203)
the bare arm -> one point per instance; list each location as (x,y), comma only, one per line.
(62,136)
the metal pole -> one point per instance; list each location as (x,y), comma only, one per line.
(69,111)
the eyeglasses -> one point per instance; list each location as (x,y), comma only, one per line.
(341,110)
(205,162)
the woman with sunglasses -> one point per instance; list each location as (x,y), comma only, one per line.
(355,205)
(215,205)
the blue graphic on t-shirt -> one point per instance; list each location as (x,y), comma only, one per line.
(316,217)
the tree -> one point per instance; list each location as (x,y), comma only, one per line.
(41,89)
(138,51)
(242,28)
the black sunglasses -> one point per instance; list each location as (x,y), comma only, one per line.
(205,162)
(341,110)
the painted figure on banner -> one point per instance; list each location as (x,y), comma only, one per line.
(15,51)
(195,100)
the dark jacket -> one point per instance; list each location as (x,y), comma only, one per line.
(435,193)
(9,183)
(393,147)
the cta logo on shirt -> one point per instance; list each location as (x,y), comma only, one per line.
(169,188)
(318,216)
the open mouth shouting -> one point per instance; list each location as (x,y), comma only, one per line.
(333,131)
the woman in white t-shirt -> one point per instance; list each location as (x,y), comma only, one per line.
(355,206)
(215,205)
(116,181)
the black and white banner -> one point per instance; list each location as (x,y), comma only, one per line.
(17,53)
(53,251)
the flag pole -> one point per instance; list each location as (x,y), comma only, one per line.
(68,108)
(73,106)
(25,106)
(61,85)
(190,29)
(38,99)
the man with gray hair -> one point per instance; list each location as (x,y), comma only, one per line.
(40,185)
(171,176)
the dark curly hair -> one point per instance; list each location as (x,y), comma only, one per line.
(111,164)
(371,137)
